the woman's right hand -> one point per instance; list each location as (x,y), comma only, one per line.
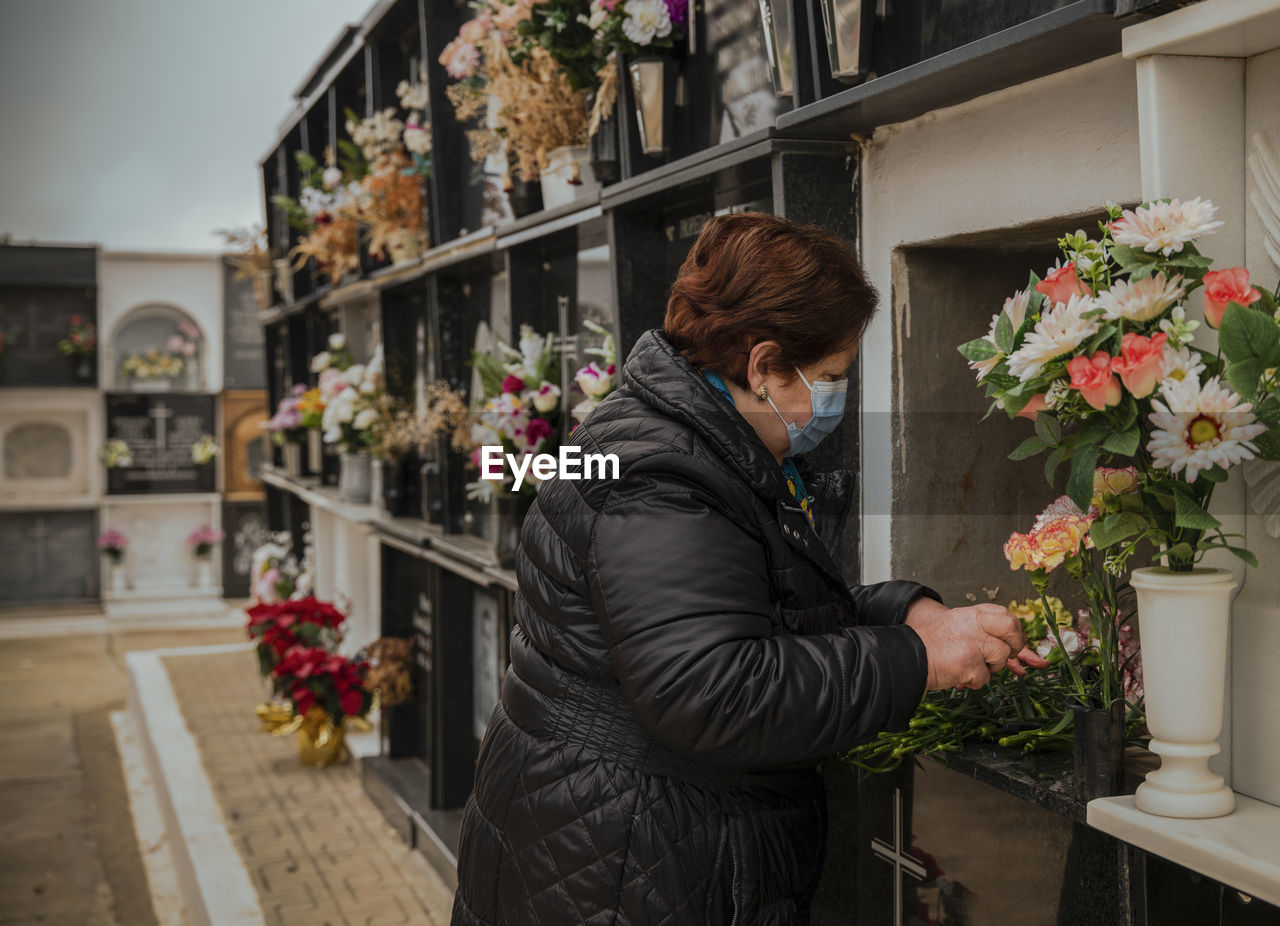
(965,646)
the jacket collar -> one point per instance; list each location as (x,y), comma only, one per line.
(657,372)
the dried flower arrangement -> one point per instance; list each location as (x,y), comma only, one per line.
(330,236)
(389,679)
(444,412)
(518,93)
(251,257)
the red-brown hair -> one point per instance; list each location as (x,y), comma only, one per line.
(754,277)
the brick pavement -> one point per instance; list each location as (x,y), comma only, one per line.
(318,851)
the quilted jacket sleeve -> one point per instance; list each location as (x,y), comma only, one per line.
(886,603)
(682,595)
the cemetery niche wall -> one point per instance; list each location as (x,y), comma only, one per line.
(968,157)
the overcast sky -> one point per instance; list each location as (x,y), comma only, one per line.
(139,124)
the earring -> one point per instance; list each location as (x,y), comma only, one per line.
(764,392)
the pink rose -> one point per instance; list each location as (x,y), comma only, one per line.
(512,383)
(1034,407)
(538,430)
(1141,363)
(473,31)
(1093,377)
(1223,286)
(1061,284)
(460,59)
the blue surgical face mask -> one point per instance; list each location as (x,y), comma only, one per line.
(827,401)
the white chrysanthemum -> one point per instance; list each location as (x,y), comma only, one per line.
(1142,300)
(646,20)
(1165,227)
(1181,364)
(1060,330)
(1016,308)
(1198,427)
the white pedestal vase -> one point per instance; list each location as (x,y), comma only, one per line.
(204,574)
(119,580)
(355,478)
(1184,620)
(568,176)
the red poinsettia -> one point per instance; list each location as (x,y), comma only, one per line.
(297,622)
(310,676)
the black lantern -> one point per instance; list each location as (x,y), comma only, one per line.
(775,20)
(847,26)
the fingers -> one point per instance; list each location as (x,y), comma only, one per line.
(1028,656)
(1002,625)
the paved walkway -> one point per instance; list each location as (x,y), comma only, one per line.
(318,851)
(68,853)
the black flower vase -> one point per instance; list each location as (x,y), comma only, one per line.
(525,197)
(394,497)
(509,510)
(1098,750)
(82,368)
(604,149)
(431,480)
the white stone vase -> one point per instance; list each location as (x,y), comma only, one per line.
(568,176)
(355,478)
(204,573)
(1184,619)
(119,579)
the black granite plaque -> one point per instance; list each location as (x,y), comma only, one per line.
(243,342)
(408,610)
(245,524)
(49,556)
(160,431)
(33,319)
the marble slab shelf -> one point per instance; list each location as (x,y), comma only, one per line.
(1241,849)
(1045,779)
(324,497)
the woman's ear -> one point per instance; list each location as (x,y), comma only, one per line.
(760,360)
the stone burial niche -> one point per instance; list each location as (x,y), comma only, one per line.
(157,348)
(956,496)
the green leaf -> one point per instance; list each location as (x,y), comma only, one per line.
(1029,448)
(1048,428)
(1095,431)
(1246,334)
(978,349)
(1123,443)
(1080,482)
(1128,257)
(1180,551)
(1128,412)
(1105,333)
(1004,334)
(1190,515)
(1268,444)
(1116,527)
(491,371)
(1215,474)
(1244,554)
(1051,465)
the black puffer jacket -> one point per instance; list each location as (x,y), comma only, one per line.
(686,654)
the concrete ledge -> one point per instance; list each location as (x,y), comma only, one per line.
(1241,849)
(215,885)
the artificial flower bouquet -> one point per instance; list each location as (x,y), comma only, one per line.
(115,454)
(597,379)
(286,424)
(81,339)
(205,450)
(277,627)
(276,574)
(311,676)
(322,211)
(351,417)
(203,539)
(113,545)
(153,364)
(1102,355)
(251,259)
(520,406)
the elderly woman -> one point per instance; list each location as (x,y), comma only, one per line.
(687,652)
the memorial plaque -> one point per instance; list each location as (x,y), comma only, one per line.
(745,101)
(33,319)
(245,524)
(244,359)
(49,556)
(408,610)
(160,431)
(485,667)
(243,451)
